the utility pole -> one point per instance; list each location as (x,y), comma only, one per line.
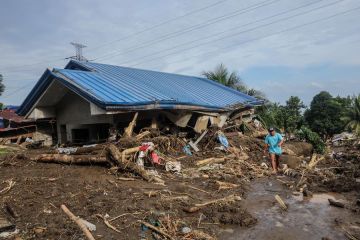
(78,48)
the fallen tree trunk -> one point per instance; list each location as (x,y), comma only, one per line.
(130,166)
(69,159)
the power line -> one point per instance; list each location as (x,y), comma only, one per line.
(241,32)
(18,89)
(269,35)
(228,30)
(189,29)
(160,24)
(133,34)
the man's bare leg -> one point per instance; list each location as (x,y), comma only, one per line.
(277,161)
(273,162)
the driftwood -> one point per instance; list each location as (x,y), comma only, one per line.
(210,160)
(107,223)
(129,130)
(127,152)
(69,159)
(10,183)
(281,202)
(79,222)
(336,203)
(142,135)
(226,185)
(198,206)
(156,229)
(130,166)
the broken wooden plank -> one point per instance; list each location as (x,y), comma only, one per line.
(281,202)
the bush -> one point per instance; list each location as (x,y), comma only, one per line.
(311,137)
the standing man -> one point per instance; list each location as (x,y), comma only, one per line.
(273,142)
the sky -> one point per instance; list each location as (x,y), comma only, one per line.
(283,48)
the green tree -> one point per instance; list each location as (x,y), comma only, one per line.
(222,75)
(292,114)
(2,86)
(324,115)
(309,136)
(352,116)
(271,115)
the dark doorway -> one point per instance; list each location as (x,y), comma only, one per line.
(80,135)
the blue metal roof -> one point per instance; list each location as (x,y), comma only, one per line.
(113,87)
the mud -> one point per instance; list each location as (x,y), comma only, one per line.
(33,203)
(306,218)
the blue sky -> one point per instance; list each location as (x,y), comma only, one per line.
(281,47)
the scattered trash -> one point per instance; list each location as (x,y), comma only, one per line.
(173,167)
(89,225)
(68,150)
(185,230)
(187,150)
(223,140)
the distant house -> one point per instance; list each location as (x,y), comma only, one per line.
(87,99)
(16,128)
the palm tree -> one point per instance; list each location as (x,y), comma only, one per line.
(352,117)
(222,75)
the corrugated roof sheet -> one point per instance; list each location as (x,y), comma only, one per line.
(117,85)
(113,87)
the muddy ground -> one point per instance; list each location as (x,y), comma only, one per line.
(33,203)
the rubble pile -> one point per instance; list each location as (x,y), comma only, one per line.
(156,185)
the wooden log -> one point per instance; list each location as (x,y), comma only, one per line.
(129,130)
(69,159)
(210,160)
(336,203)
(198,206)
(130,166)
(78,221)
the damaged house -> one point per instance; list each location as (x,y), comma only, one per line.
(91,101)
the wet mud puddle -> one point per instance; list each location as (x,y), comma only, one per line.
(311,218)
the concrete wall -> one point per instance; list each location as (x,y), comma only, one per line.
(74,112)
